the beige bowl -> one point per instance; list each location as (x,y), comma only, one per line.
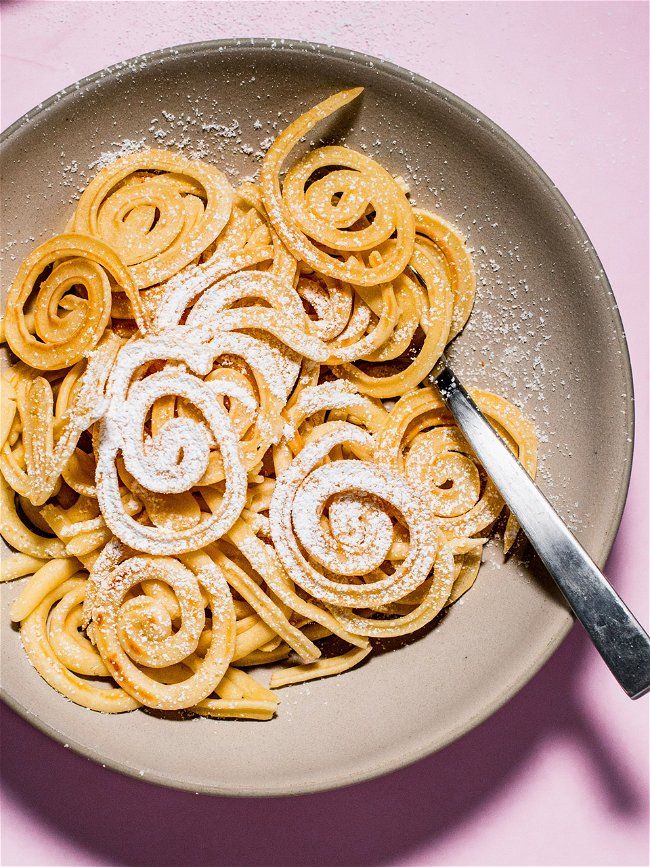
(545,332)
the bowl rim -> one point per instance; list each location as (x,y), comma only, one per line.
(426,745)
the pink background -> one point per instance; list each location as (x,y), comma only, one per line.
(557,777)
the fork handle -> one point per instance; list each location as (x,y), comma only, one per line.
(619,638)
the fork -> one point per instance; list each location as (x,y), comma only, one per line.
(617,635)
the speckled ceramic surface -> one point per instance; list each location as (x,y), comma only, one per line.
(545,332)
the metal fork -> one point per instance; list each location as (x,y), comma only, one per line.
(619,638)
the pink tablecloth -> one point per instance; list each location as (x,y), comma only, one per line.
(558,776)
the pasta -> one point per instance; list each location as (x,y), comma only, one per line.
(217,452)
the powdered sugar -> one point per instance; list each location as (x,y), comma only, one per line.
(121,149)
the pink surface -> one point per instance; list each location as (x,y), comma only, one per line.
(558,776)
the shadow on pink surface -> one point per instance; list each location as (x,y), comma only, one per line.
(126,821)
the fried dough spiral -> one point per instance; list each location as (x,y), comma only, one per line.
(176,457)
(136,633)
(318,223)
(70,276)
(157,210)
